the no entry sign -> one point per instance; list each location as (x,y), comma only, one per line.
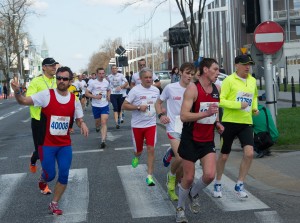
(268,37)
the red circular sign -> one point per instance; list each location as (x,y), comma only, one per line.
(269,37)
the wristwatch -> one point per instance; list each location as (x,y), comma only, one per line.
(160,114)
(138,108)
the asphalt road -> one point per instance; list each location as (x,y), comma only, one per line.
(103,187)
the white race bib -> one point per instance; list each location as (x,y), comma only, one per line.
(59,125)
(150,111)
(245,97)
(203,108)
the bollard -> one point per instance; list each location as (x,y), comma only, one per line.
(284,85)
(278,83)
(293,93)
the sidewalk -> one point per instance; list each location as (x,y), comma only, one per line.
(284,96)
(278,173)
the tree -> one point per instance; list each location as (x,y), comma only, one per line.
(191,19)
(103,56)
(12,18)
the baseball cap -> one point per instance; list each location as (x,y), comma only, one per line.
(49,61)
(244,59)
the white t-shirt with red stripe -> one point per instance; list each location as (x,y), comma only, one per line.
(140,95)
(173,94)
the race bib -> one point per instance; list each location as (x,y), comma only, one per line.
(59,125)
(150,107)
(245,97)
(115,84)
(103,96)
(203,108)
(178,124)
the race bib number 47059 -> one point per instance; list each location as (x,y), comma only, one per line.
(59,125)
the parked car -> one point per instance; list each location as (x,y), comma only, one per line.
(164,77)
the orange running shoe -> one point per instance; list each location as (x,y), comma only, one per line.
(44,187)
(32,168)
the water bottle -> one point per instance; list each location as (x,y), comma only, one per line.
(168,157)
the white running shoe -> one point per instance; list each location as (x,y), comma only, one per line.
(239,189)
(180,215)
(217,191)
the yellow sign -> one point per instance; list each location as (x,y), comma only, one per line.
(244,50)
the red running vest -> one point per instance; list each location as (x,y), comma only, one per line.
(56,119)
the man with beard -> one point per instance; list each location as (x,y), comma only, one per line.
(59,108)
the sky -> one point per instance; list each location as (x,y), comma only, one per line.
(75,29)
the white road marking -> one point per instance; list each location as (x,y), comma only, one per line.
(11,113)
(144,201)
(27,120)
(125,148)
(165,145)
(8,185)
(75,200)
(230,201)
(89,151)
(3,158)
(111,137)
(268,217)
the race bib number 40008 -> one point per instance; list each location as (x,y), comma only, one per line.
(59,125)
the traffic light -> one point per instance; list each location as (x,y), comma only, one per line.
(179,37)
(122,61)
(252,15)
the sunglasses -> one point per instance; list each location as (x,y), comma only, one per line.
(62,78)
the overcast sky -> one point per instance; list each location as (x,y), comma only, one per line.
(75,29)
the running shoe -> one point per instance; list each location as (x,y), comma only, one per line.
(135,162)
(98,129)
(122,120)
(180,215)
(168,157)
(117,126)
(53,209)
(32,168)
(171,181)
(217,191)
(173,196)
(44,187)
(103,145)
(150,181)
(240,191)
(194,204)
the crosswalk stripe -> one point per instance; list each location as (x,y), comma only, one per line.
(8,184)
(229,200)
(268,217)
(144,201)
(75,200)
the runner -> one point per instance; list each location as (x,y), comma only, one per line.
(239,101)
(199,115)
(115,84)
(135,78)
(99,92)
(173,95)
(55,144)
(141,100)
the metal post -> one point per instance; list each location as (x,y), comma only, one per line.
(286,71)
(293,94)
(268,76)
(299,81)
(278,83)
